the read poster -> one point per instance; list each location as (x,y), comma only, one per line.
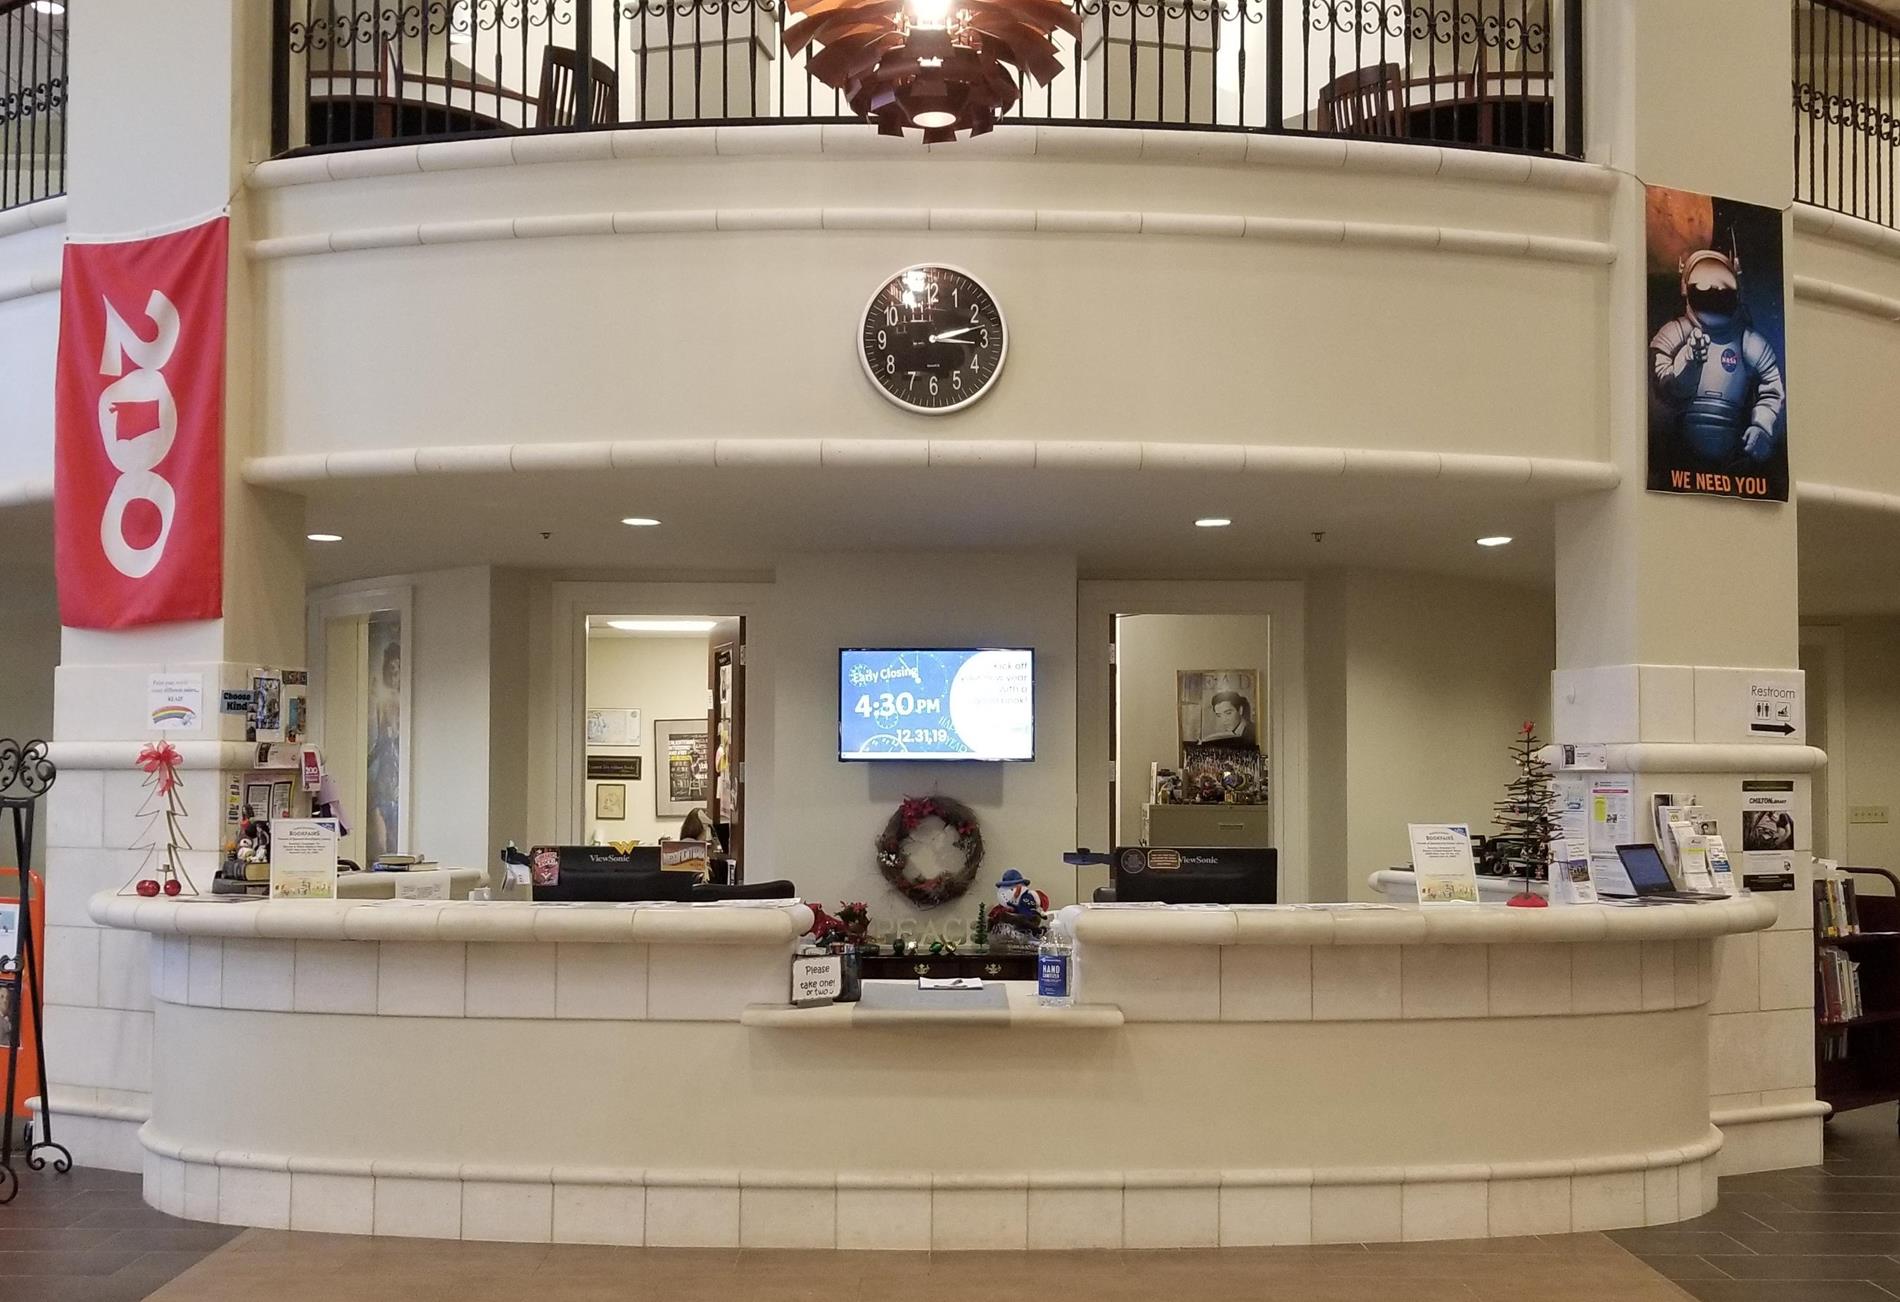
(1717,357)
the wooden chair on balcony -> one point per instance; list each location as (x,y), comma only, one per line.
(559,104)
(1364,102)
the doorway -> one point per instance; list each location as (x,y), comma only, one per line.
(663,731)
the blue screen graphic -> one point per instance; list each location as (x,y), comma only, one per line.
(936,705)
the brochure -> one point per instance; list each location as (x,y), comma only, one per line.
(1570,872)
(1442,863)
(303,859)
(1720,869)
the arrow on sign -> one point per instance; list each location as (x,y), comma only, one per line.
(1783,728)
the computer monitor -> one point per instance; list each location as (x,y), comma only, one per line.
(602,873)
(1194,875)
(1648,874)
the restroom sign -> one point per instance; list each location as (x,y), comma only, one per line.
(1774,707)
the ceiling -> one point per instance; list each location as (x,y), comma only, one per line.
(741,520)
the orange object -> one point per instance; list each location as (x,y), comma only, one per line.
(29,1079)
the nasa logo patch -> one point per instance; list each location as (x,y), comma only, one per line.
(1730,360)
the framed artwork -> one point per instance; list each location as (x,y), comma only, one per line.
(361,708)
(1218,707)
(610,801)
(624,767)
(613,727)
(683,753)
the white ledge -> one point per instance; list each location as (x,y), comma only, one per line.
(1082,222)
(1481,924)
(25,492)
(1022,1014)
(455,921)
(1811,220)
(1809,289)
(1544,477)
(1766,756)
(33,216)
(1012,141)
(1847,499)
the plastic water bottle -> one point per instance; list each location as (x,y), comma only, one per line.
(1055,967)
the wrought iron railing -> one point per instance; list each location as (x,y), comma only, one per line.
(1846,91)
(1503,74)
(32,101)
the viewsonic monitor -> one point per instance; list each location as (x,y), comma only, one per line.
(976,703)
(1190,875)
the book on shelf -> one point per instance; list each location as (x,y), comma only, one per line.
(1839,912)
(1840,986)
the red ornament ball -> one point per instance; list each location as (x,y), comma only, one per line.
(148,888)
(173,886)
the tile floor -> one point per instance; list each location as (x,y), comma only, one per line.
(1828,1233)
(1821,1234)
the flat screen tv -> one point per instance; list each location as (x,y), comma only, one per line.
(975,703)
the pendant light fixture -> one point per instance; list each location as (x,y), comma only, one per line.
(942,66)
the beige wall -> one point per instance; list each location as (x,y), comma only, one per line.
(1417,687)
(663,678)
(827,812)
(1868,758)
(1149,649)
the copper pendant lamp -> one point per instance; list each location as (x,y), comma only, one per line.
(942,66)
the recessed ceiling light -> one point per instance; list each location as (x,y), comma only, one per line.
(324,537)
(641,522)
(1496,540)
(662,625)
(1212,522)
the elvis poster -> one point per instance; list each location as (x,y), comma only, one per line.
(1717,361)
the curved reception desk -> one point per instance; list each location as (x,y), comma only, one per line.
(635,1075)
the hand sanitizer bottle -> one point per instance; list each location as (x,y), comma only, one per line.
(1055,967)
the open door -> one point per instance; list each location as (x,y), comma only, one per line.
(726,727)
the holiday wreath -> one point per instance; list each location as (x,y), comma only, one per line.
(936,849)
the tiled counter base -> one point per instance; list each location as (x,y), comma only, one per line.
(621,1076)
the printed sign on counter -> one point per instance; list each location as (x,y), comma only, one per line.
(1443,864)
(303,859)
(817,979)
(1612,814)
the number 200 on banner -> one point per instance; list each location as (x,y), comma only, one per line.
(139,454)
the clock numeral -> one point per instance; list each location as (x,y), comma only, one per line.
(956,380)
(973,315)
(985,338)
(882,342)
(890,315)
(890,364)
(933,386)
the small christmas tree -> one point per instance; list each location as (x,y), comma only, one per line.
(1527,817)
(163,868)
(980,933)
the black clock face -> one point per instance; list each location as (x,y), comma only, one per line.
(933,339)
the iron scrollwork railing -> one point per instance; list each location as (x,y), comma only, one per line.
(1501,74)
(1847,135)
(32,102)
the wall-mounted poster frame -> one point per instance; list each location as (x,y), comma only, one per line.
(682,766)
(382,684)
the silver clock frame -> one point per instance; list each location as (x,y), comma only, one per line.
(864,361)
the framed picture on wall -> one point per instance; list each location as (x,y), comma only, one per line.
(610,801)
(682,753)
(1218,707)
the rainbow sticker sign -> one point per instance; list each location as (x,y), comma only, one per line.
(176,702)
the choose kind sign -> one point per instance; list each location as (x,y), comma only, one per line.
(138,492)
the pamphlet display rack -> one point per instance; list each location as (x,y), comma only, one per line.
(1857,993)
(26,774)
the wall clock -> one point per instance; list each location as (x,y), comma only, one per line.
(933,339)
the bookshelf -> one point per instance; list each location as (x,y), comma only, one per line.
(1857,992)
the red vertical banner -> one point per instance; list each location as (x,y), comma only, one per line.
(138,476)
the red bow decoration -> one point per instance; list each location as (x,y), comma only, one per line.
(161,760)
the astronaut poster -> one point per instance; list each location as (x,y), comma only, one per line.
(1717,355)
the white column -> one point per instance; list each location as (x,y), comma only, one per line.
(1668,607)
(170,103)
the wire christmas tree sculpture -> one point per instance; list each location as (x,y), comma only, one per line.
(160,761)
(1527,817)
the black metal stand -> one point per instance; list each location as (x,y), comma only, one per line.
(25,775)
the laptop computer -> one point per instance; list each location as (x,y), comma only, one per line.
(1649,876)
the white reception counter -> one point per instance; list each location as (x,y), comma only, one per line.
(634,1075)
